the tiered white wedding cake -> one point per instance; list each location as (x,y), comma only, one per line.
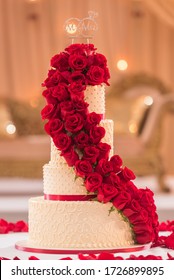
(75,224)
(89,198)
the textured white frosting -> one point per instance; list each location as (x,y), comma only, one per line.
(76,224)
(95,97)
(61,180)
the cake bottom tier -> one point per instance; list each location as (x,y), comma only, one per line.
(76,225)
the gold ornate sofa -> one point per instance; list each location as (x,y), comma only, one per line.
(138,112)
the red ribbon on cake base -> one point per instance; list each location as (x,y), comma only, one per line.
(24,246)
(71,197)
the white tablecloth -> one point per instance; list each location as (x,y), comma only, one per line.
(7,249)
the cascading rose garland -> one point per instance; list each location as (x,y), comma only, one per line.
(77,134)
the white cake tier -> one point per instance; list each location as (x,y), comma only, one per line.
(59,178)
(76,224)
(95,97)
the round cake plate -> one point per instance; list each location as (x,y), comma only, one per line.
(24,246)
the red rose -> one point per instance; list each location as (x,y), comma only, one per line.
(79,95)
(106,193)
(147,202)
(135,205)
(117,163)
(114,180)
(80,106)
(93,119)
(100,60)
(75,48)
(50,74)
(66,76)
(74,123)
(77,90)
(77,61)
(60,61)
(146,199)
(62,141)
(48,111)
(80,49)
(135,216)
(77,77)
(106,76)
(104,167)
(93,182)
(132,190)
(141,227)
(70,156)
(144,237)
(61,92)
(53,80)
(121,200)
(81,140)
(104,150)
(83,168)
(91,154)
(49,96)
(66,108)
(53,127)
(127,174)
(95,75)
(96,134)
(154,217)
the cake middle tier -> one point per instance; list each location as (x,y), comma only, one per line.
(59,178)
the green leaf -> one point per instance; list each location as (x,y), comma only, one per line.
(111,209)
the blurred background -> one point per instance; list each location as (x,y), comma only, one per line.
(137,37)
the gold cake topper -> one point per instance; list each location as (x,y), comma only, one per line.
(82,28)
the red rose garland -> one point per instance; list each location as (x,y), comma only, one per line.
(77,134)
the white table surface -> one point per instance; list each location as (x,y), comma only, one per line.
(7,249)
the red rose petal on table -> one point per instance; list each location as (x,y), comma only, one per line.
(19,225)
(106,256)
(16,258)
(87,257)
(67,259)
(169,242)
(4,226)
(141,257)
(33,258)
(170,257)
